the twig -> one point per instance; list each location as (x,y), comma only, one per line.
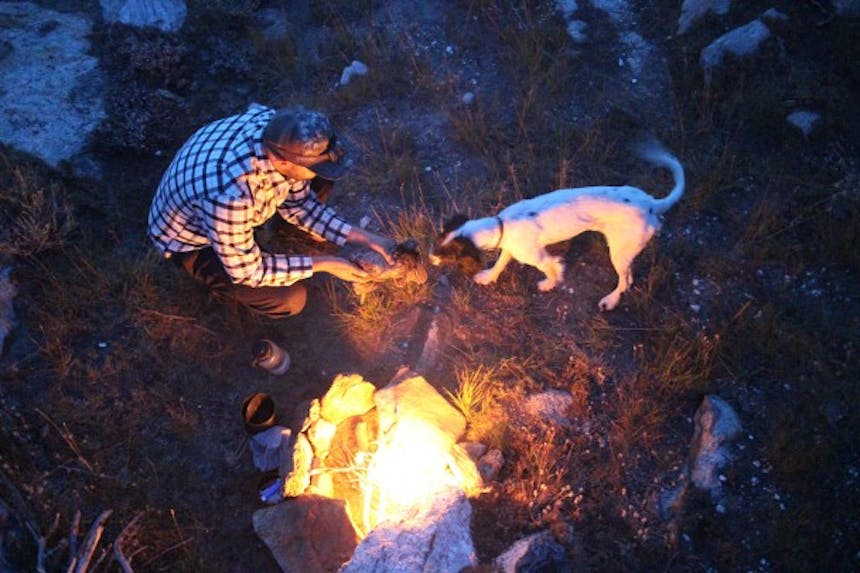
(91,542)
(68,438)
(124,562)
(73,534)
(42,541)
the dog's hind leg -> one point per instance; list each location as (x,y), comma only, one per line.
(490,275)
(622,260)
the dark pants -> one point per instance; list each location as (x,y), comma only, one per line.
(274,302)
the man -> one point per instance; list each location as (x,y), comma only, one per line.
(230,177)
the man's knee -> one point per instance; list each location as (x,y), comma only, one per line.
(297,299)
(283,302)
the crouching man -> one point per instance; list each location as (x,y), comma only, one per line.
(234,174)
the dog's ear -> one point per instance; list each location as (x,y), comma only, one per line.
(445,240)
(455,222)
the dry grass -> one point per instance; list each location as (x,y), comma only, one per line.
(36,214)
(784,357)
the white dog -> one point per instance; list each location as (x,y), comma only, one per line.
(628,217)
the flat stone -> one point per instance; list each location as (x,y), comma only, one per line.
(307,534)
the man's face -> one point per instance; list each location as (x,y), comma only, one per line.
(292,170)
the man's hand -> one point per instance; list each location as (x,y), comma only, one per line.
(341,268)
(378,243)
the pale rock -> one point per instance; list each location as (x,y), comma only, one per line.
(7,309)
(465,471)
(739,42)
(320,435)
(356,68)
(297,468)
(310,534)
(716,426)
(693,10)
(349,395)
(490,465)
(411,397)
(804,120)
(166,15)
(552,406)
(474,449)
(537,552)
(433,537)
(50,86)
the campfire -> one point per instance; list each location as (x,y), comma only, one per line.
(390,456)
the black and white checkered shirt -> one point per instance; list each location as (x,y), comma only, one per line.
(220,186)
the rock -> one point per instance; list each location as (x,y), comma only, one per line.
(693,10)
(356,68)
(552,406)
(439,331)
(297,468)
(716,425)
(413,398)
(465,471)
(50,86)
(468,98)
(7,310)
(804,120)
(847,7)
(739,42)
(308,534)
(349,395)
(434,536)
(166,15)
(320,434)
(490,465)
(474,449)
(537,552)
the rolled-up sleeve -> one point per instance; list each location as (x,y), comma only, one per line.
(303,209)
(231,235)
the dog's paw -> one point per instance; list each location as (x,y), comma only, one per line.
(546,285)
(610,301)
(484,277)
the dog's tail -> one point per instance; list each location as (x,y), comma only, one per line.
(655,154)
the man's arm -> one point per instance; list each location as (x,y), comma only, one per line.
(228,223)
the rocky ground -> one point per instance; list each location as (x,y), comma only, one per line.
(121,380)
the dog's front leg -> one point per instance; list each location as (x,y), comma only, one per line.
(553,268)
(490,275)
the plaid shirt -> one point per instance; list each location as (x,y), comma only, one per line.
(220,186)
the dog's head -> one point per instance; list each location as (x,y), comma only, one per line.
(452,247)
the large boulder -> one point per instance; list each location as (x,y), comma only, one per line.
(50,85)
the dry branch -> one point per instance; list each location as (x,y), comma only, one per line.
(68,438)
(127,531)
(81,562)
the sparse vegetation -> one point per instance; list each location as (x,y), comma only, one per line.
(750,292)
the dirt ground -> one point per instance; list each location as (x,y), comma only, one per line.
(122,383)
